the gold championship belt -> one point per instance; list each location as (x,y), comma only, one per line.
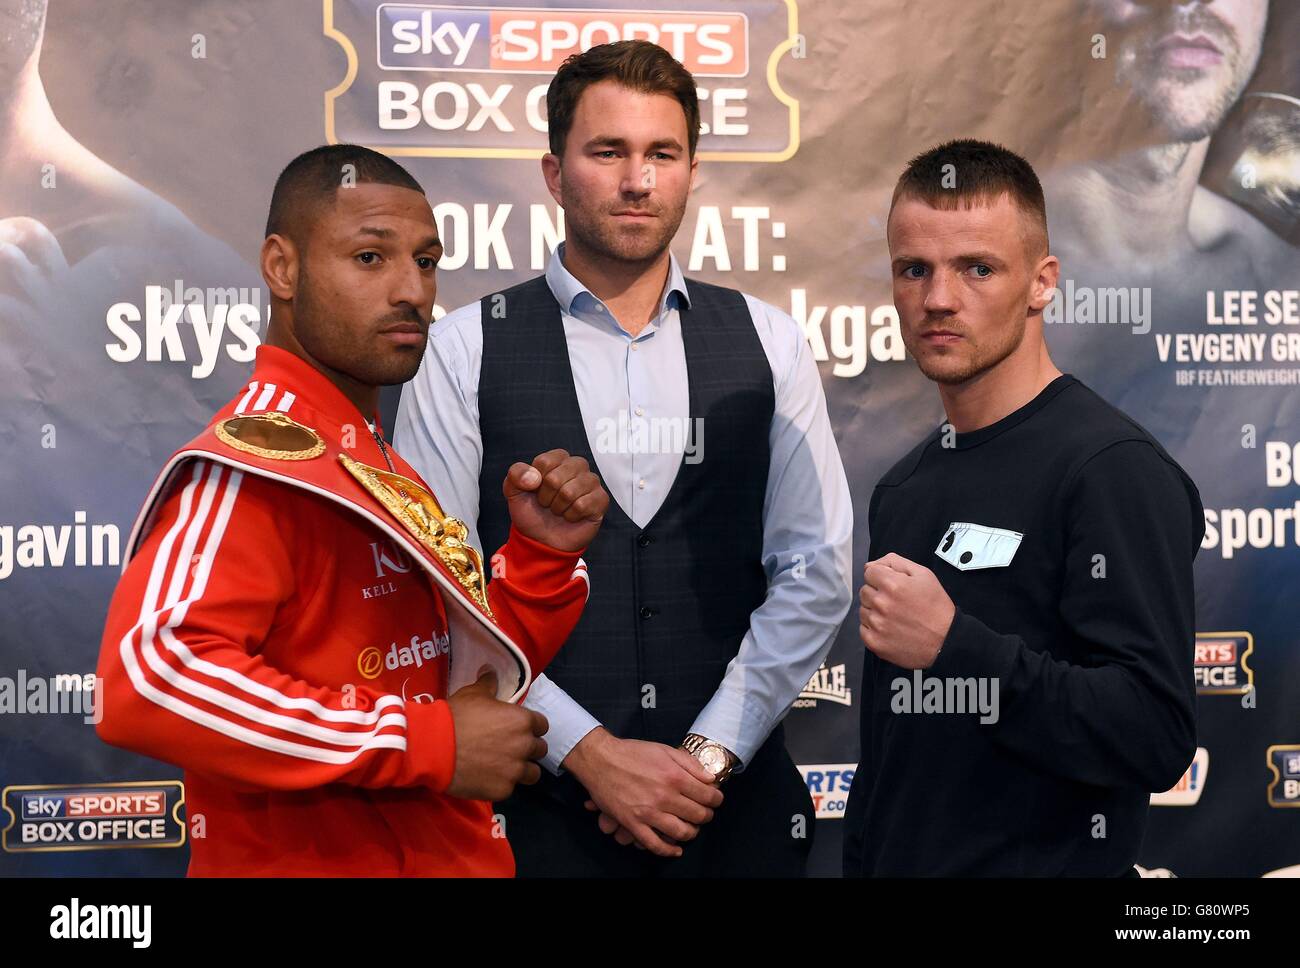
(422,515)
(276,436)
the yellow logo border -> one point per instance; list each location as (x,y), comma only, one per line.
(1277,777)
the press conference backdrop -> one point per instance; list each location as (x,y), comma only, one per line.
(143,138)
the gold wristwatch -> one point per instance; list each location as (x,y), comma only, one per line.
(714,757)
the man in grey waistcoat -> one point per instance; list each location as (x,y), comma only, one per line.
(722,570)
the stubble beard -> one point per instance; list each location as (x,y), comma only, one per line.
(598,236)
(1167,93)
(326,337)
(982,359)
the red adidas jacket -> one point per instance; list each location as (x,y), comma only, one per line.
(292,658)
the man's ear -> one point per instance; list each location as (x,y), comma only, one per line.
(280,266)
(695,170)
(551,175)
(1046,276)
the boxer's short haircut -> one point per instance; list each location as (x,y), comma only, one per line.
(966,172)
(308,185)
(636,64)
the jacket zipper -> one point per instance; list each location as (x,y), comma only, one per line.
(383,449)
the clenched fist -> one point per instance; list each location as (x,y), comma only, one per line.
(497,743)
(556,500)
(905,613)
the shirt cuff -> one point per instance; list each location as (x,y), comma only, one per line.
(731,722)
(568,721)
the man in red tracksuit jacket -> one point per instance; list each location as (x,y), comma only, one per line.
(289,621)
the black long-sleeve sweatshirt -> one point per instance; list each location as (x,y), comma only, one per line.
(1064,534)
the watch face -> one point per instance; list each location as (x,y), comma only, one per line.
(713,759)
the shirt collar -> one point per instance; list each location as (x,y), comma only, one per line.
(568,290)
(287,372)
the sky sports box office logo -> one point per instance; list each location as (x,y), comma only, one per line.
(100,817)
(1284,787)
(469,80)
(1220,664)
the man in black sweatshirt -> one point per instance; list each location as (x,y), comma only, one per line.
(1028,609)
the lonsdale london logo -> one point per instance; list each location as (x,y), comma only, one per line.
(830,684)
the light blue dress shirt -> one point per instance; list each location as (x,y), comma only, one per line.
(622,380)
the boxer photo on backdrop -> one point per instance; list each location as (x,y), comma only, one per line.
(1175,72)
(721,574)
(297,605)
(1027,608)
